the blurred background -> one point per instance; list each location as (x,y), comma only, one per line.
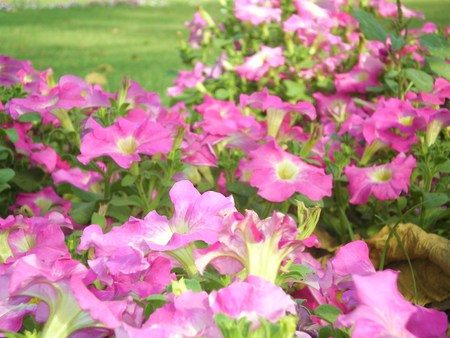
(104,40)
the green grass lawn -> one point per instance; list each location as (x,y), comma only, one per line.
(138,41)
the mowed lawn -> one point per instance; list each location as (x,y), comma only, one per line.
(139,41)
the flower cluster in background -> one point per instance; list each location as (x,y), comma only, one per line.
(212,217)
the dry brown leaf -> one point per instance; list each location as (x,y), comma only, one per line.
(429,254)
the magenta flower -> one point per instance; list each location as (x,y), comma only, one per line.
(384,182)
(197,29)
(42,202)
(394,123)
(9,69)
(258,11)
(76,177)
(228,126)
(363,75)
(277,111)
(256,67)
(383,312)
(188,79)
(70,92)
(253,298)
(259,246)
(124,141)
(278,175)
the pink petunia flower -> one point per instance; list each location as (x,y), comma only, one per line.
(256,67)
(187,315)
(42,202)
(253,298)
(188,79)
(76,177)
(395,123)
(383,312)
(278,175)
(124,141)
(258,11)
(197,29)
(258,246)
(384,182)
(363,75)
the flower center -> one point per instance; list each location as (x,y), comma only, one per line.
(382,175)
(287,170)
(43,203)
(406,121)
(362,76)
(127,145)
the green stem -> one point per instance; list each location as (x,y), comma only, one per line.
(343,218)
(143,197)
(107,180)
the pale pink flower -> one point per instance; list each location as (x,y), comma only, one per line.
(124,141)
(188,315)
(258,246)
(258,11)
(253,298)
(70,92)
(389,9)
(278,175)
(384,182)
(383,312)
(196,217)
(188,79)
(256,67)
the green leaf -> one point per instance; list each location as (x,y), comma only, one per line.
(192,284)
(444,167)
(153,302)
(294,90)
(435,199)
(436,45)
(240,188)
(82,212)
(330,331)
(327,312)
(84,195)
(30,117)
(222,94)
(11,134)
(121,201)
(120,213)
(98,219)
(397,42)
(438,66)
(6,175)
(369,26)
(29,180)
(128,180)
(423,81)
